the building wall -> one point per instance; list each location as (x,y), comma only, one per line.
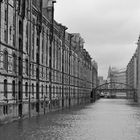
(138,70)
(38,74)
(132,73)
(94,74)
(117,75)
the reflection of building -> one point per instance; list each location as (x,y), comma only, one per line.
(41,67)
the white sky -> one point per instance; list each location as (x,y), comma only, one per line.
(110,28)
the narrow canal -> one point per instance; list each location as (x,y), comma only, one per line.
(107,119)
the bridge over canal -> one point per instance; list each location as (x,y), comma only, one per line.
(114,88)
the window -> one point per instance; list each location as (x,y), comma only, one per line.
(57,51)
(37,41)
(14,27)
(47,49)
(5,109)
(42,45)
(13,88)
(20,27)
(10,31)
(26,89)
(14,63)
(20,65)
(6,24)
(53,92)
(56,94)
(27,37)
(42,91)
(60,92)
(42,72)
(54,49)
(5,60)
(5,88)
(33,38)
(20,45)
(5,35)
(42,105)
(46,91)
(33,90)
(6,14)
(33,69)
(26,63)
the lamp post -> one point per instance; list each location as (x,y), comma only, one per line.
(50,53)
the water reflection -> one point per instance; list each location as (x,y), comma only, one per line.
(107,119)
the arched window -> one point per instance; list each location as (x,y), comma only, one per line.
(5,60)
(13,88)
(26,89)
(5,88)
(14,63)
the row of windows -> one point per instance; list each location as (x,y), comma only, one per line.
(5,63)
(55,89)
(26,89)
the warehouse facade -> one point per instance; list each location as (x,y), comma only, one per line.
(42,67)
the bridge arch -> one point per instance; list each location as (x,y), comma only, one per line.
(115,87)
(115,83)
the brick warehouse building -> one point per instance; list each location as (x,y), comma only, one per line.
(42,67)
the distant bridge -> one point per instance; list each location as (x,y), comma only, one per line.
(113,88)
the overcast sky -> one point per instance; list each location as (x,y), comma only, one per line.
(110,28)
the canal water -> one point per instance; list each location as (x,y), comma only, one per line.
(107,119)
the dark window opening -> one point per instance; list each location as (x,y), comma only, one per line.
(5,88)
